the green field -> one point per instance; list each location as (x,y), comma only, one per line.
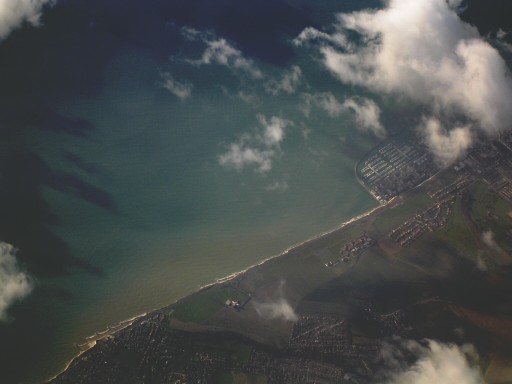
(393,217)
(451,264)
(457,233)
(206,303)
(491,213)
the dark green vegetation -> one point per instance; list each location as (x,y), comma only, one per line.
(207,303)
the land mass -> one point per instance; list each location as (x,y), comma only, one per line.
(433,261)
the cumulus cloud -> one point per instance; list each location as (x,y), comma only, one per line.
(256,149)
(423,51)
(447,146)
(366,111)
(367,114)
(288,83)
(277,308)
(219,51)
(13,13)
(273,130)
(436,363)
(181,89)
(14,283)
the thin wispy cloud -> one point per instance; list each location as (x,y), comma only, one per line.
(257,149)
(481,264)
(277,186)
(14,13)
(490,241)
(247,97)
(366,112)
(430,57)
(289,82)
(15,284)
(310,35)
(276,307)
(501,40)
(326,101)
(180,89)
(220,52)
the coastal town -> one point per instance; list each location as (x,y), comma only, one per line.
(427,219)
(319,351)
(321,346)
(395,167)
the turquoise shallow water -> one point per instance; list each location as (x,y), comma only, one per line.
(180,219)
(142,200)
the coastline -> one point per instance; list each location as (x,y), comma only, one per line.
(109,331)
(298,245)
(90,341)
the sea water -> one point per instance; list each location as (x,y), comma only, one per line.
(143,204)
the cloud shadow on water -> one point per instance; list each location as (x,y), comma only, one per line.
(26,219)
(39,67)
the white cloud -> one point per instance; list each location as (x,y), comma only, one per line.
(437,363)
(193,34)
(447,146)
(219,51)
(457,5)
(239,156)
(256,149)
(13,13)
(423,51)
(488,239)
(323,100)
(366,111)
(14,283)
(273,130)
(288,83)
(277,186)
(311,34)
(454,3)
(182,90)
(367,114)
(276,308)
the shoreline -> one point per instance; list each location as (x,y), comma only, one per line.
(297,245)
(111,330)
(90,341)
